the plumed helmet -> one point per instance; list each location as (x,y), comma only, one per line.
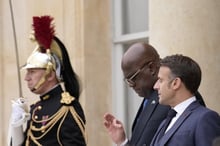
(51,54)
(37,60)
(51,59)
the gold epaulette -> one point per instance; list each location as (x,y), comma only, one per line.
(66,98)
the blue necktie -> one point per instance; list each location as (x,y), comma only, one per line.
(142,109)
(144,104)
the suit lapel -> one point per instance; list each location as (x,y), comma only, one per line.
(144,116)
(137,115)
(178,123)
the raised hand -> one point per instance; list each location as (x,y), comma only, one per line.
(115,128)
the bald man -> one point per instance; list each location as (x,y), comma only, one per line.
(140,66)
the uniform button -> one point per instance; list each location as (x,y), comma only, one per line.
(39,107)
(35,117)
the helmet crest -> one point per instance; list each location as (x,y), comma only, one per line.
(43,31)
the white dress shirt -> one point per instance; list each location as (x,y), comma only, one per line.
(180,108)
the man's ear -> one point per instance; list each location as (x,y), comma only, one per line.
(153,68)
(176,83)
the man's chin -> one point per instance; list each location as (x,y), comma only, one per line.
(30,88)
(161,101)
(33,90)
(140,94)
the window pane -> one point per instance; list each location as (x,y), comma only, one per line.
(135,15)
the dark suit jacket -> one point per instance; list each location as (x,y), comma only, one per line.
(197,126)
(146,123)
(65,129)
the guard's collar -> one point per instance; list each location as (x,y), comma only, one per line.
(56,90)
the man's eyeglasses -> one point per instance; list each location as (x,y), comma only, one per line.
(131,80)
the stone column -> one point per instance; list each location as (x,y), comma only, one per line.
(91,55)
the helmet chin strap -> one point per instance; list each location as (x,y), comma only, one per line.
(43,78)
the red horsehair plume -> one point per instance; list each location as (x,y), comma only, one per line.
(43,31)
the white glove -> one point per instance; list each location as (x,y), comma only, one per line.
(19,113)
(19,116)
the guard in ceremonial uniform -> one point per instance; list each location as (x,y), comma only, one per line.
(57,119)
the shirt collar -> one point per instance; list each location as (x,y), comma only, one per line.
(179,108)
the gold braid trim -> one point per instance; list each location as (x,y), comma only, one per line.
(46,128)
(32,137)
(79,122)
(59,127)
(60,114)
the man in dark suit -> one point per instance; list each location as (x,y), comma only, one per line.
(140,65)
(179,78)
